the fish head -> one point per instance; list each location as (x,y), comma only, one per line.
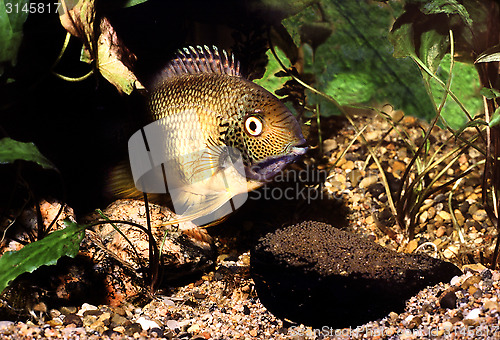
(267,134)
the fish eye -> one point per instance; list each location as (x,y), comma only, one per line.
(253,126)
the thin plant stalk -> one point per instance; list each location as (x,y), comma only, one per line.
(332,100)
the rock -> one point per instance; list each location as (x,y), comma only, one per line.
(329,145)
(147,324)
(448,300)
(367,181)
(340,283)
(480,215)
(473,314)
(186,250)
(173,324)
(470,281)
(73,319)
(445,215)
(451,251)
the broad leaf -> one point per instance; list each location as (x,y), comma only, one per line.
(495,119)
(12,150)
(65,242)
(490,93)
(12,19)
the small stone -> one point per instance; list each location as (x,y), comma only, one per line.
(398,167)
(173,324)
(146,324)
(367,181)
(445,215)
(473,290)
(86,307)
(40,307)
(205,335)
(440,231)
(412,245)
(477,294)
(55,322)
(470,281)
(448,300)
(486,274)
(455,281)
(329,145)
(133,328)
(193,329)
(68,310)
(450,252)
(73,319)
(473,314)
(480,215)
(431,212)
(354,176)
(119,329)
(54,313)
(200,296)
(118,320)
(4,325)
(89,320)
(460,217)
(253,332)
(349,165)
(491,305)
(167,302)
(423,217)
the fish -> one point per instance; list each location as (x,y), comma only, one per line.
(213,136)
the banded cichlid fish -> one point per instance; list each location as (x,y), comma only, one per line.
(214,135)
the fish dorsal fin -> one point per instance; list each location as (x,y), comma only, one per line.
(201,59)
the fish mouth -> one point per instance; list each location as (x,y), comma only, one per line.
(264,171)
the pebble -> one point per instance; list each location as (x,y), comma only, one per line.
(450,252)
(195,328)
(86,307)
(480,215)
(173,324)
(367,181)
(147,324)
(445,215)
(6,324)
(473,314)
(423,217)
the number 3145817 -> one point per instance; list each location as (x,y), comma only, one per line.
(32,7)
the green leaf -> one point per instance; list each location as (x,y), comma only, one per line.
(446,7)
(433,48)
(490,93)
(270,81)
(12,19)
(130,3)
(65,242)
(495,119)
(12,150)
(401,39)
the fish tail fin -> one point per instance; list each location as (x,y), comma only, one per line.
(120,184)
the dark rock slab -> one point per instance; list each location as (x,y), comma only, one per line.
(318,275)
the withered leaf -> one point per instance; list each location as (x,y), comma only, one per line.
(101,44)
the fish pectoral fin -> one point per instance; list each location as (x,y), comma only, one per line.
(204,209)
